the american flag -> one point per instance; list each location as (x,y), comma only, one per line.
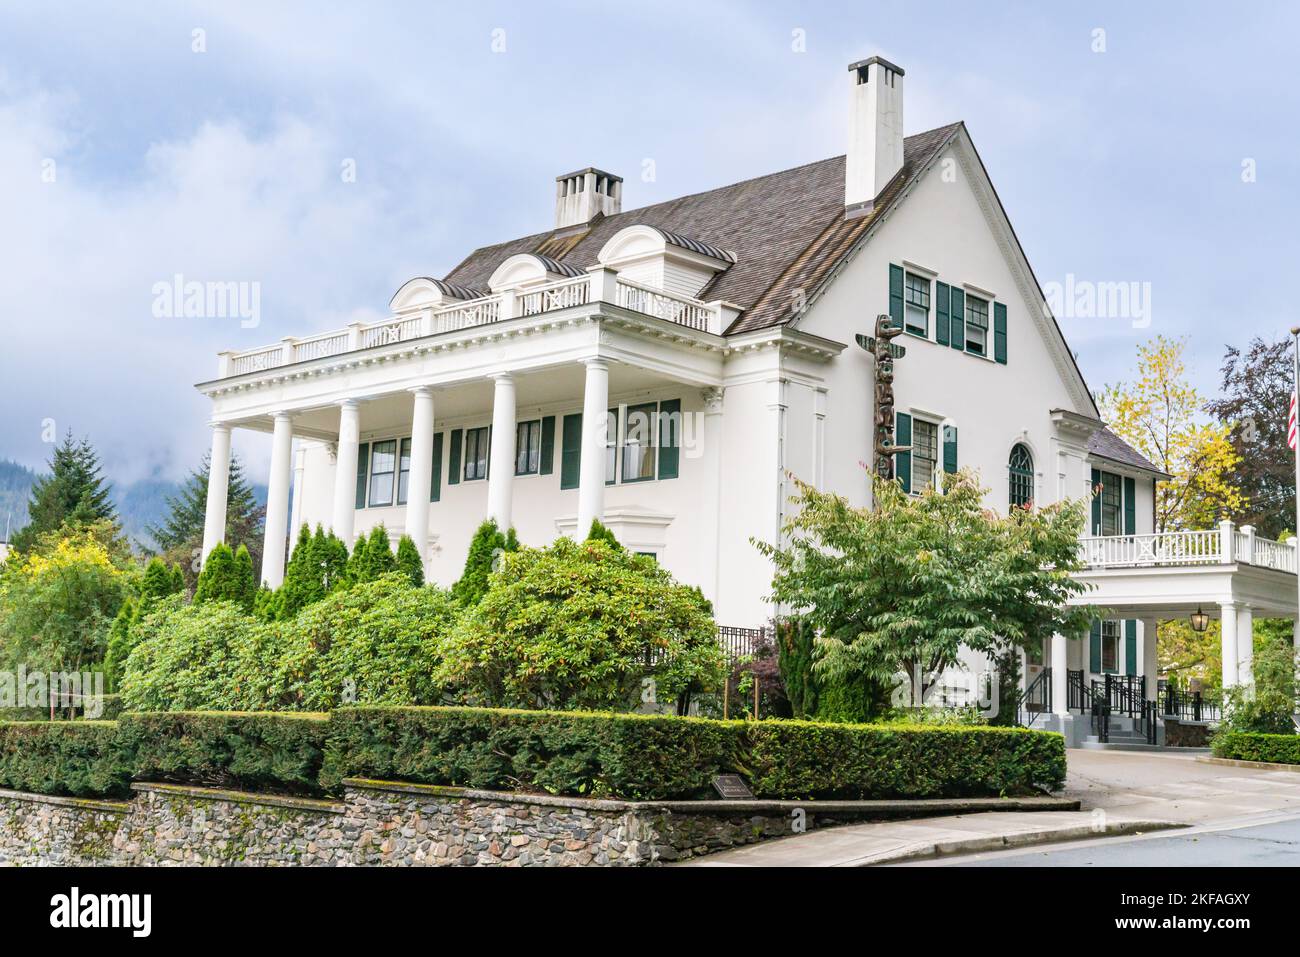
(1291,424)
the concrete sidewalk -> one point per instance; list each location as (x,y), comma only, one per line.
(860,845)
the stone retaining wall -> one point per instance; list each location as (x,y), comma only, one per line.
(393,824)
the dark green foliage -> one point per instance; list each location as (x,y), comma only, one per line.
(227,576)
(484,548)
(795,656)
(408,561)
(640,757)
(379,556)
(268,605)
(1248,746)
(247,751)
(74,494)
(358,563)
(121,639)
(78,758)
(181,533)
(800,759)
(317,566)
(851,697)
(599,533)
(178,579)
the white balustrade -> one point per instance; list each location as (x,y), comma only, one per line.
(1183,548)
(655,302)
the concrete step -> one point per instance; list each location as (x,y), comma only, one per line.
(1092,744)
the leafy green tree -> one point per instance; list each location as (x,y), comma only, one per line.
(485,550)
(582,626)
(73,494)
(227,576)
(601,533)
(358,563)
(1267,706)
(180,535)
(245,579)
(380,559)
(408,560)
(900,589)
(794,644)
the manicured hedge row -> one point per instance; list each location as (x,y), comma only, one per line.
(640,757)
(804,759)
(280,752)
(78,758)
(1244,746)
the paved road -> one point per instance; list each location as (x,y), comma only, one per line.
(1274,844)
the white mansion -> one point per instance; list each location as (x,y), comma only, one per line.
(663,369)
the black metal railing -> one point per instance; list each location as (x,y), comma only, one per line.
(1099,706)
(1076,691)
(1150,718)
(1036,701)
(742,642)
(1189,705)
(1127,694)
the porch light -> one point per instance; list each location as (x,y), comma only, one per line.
(1200,620)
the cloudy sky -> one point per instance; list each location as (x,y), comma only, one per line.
(215,142)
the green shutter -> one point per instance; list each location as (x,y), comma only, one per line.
(941,313)
(903,460)
(1096,502)
(1131,646)
(896,296)
(670,437)
(950,448)
(1094,647)
(453,466)
(1130,517)
(363,463)
(958,314)
(435,484)
(1000,333)
(547,464)
(571,450)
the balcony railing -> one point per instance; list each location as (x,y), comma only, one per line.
(1220,546)
(600,286)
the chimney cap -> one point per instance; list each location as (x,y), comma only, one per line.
(877,59)
(589,169)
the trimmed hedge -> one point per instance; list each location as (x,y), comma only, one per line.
(247,751)
(1248,746)
(639,757)
(78,758)
(805,759)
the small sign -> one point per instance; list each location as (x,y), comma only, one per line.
(730,787)
(869,343)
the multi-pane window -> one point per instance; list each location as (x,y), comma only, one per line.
(528,447)
(1110,646)
(925,454)
(977,324)
(403,471)
(1111,505)
(916,305)
(611,446)
(639,442)
(383,466)
(476,453)
(1020,477)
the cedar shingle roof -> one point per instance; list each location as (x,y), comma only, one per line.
(786,230)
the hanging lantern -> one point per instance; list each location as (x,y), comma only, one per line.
(1200,621)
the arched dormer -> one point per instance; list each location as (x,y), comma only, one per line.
(524,270)
(664,260)
(423,292)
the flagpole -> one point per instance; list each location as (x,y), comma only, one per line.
(1295,385)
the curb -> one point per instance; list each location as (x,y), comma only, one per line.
(1001,842)
(1261,765)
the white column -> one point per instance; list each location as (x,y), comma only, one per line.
(1245,645)
(1060,664)
(277,502)
(421,478)
(1150,662)
(214,520)
(712,489)
(1228,627)
(344,521)
(299,474)
(591,475)
(501,461)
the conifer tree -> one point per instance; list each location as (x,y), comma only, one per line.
(74,494)
(227,576)
(601,533)
(484,548)
(408,560)
(181,533)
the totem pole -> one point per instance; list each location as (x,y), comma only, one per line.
(881,346)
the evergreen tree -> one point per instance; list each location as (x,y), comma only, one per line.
(245,579)
(178,579)
(357,562)
(600,533)
(332,560)
(73,494)
(484,548)
(227,576)
(157,582)
(120,642)
(302,578)
(181,533)
(380,559)
(408,560)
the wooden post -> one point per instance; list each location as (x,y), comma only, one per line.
(726,694)
(756,688)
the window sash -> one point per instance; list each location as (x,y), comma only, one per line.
(925,454)
(404,472)
(916,304)
(611,446)
(383,465)
(1109,646)
(639,442)
(977,324)
(476,453)
(528,447)
(1112,512)
(1020,471)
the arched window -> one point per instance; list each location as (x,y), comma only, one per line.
(1020,469)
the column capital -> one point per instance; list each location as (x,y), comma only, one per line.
(220,427)
(348,403)
(712,397)
(281,415)
(502,376)
(595,362)
(422,390)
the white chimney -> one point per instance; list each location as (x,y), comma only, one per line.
(875,132)
(580,196)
